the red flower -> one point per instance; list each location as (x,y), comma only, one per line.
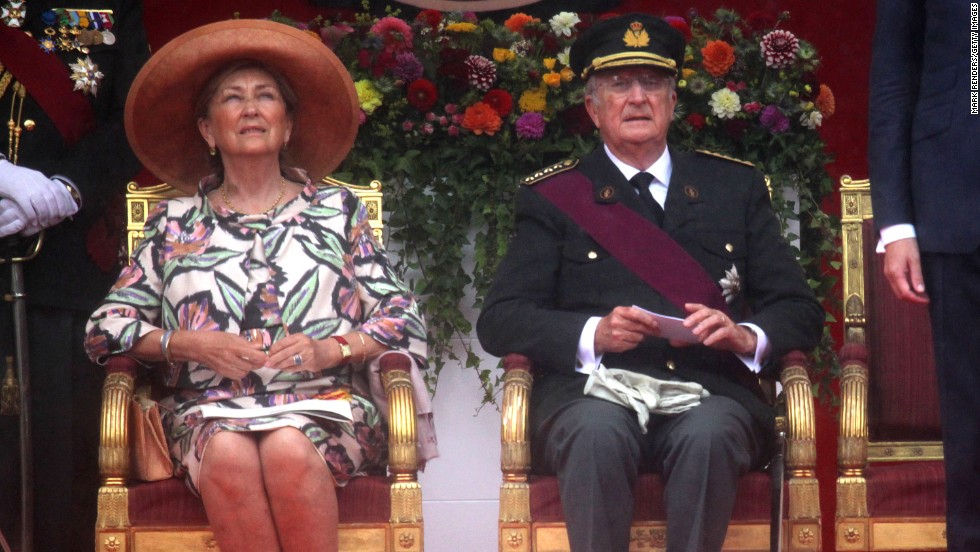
(717,57)
(696,120)
(430,18)
(500,100)
(680,24)
(422,94)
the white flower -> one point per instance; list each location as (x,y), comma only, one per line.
(725,103)
(731,285)
(564,23)
(811,119)
(564,55)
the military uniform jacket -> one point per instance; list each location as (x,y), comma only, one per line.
(554,277)
(100,163)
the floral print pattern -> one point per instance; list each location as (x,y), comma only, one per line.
(310,266)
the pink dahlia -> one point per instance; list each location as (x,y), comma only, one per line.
(530,125)
(779,48)
(394,33)
(481,72)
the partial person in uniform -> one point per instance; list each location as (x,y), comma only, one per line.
(638,223)
(925,188)
(66,70)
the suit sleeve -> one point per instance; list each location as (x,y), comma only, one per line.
(896,68)
(521,313)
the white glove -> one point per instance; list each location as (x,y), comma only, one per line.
(12,218)
(45,202)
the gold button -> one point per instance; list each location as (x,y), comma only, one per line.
(671,366)
(729,247)
(593,255)
(29,125)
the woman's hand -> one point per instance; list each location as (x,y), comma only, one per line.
(228,354)
(298,352)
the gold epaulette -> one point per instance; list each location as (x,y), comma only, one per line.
(546,172)
(725,157)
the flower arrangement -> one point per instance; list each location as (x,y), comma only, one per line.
(456,109)
(750,89)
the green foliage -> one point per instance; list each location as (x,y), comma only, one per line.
(451,173)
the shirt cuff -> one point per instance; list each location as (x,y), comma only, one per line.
(893,233)
(585,359)
(755,362)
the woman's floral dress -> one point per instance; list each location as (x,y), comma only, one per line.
(311,266)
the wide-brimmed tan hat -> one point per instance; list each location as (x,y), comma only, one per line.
(160,120)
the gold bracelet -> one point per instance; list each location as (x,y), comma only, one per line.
(363,347)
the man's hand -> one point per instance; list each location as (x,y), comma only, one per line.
(43,201)
(903,269)
(12,218)
(623,329)
(715,329)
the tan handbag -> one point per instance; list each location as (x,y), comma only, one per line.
(149,454)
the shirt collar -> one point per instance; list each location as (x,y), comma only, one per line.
(661,168)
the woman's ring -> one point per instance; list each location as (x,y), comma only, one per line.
(297,359)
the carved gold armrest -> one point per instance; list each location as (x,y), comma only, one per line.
(403,465)
(852,440)
(801,443)
(117,393)
(515,451)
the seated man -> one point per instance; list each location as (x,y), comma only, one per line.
(693,237)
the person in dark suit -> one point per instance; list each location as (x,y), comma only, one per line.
(564,296)
(925,188)
(67,68)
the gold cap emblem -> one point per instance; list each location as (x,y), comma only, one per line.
(636,36)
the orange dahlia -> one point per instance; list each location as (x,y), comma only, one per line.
(480,118)
(517,21)
(825,101)
(717,56)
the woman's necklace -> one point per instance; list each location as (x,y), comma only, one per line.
(230,205)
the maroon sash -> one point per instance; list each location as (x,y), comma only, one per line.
(660,261)
(48,81)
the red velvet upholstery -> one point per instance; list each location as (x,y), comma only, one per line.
(901,363)
(171,503)
(751,503)
(907,489)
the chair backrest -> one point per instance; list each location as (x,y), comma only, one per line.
(141,200)
(903,403)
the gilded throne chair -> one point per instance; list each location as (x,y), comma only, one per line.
(891,483)
(531,518)
(381,513)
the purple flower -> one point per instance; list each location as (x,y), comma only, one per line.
(530,125)
(407,67)
(773,119)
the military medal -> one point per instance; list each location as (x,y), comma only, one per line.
(86,76)
(72,30)
(12,13)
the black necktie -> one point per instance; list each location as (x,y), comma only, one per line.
(641,181)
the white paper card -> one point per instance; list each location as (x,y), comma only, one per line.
(672,327)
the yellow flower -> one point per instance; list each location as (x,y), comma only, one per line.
(501,55)
(461,27)
(533,99)
(549,63)
(688,73)
(368,96)
(552,79)
(567,74)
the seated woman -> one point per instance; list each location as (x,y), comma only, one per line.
(262,288)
